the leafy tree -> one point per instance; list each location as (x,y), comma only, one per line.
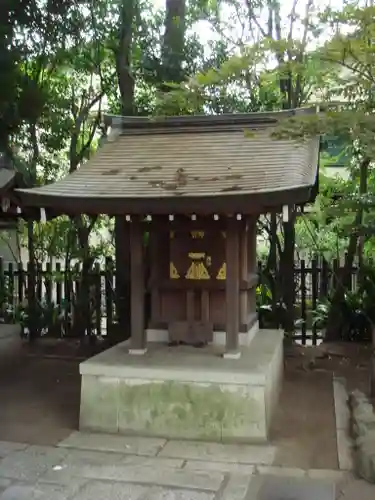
(354,122)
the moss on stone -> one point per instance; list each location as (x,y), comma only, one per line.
(182,409)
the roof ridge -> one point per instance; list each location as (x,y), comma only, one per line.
(211,121)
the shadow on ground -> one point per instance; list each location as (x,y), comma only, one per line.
(39,399)
(304,427)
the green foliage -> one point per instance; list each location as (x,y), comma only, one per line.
(60,72)
(272,313)
(59,238)
(320,314)
(356,309)
(323,228)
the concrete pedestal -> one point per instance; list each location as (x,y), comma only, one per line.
(184,393)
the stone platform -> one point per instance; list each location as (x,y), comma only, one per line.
(183,392)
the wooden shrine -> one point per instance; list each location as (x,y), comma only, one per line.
(196,186)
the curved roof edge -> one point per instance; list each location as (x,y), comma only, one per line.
(239,203)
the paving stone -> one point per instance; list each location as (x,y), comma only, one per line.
(175,463)
(330,474)
(39,491)
(356,490)
(340,396)
(365,461)
(114,443)
(31,463)
(216,452)
(62,474)
(87,457)
(6,447)
(236,488)
(164,494)
(342,416)
(157,476)
(78,458)
(274,470)
(4,483)
(281,488)
(230,468)
(96,490)
(70,469)
(344,450)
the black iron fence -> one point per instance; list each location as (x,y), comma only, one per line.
(57,290)
(313,282)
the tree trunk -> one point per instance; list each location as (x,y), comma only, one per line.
(273,271)
(174,40)
(362,190)
(123,56)
(31,284)
(34,331)
(334,320)
(287,257)
(126,87)
(82,314)
(287,274)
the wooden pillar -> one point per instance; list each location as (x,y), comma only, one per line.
(137,289)
(232,293)
(156,249)
(122,274)
(252,246)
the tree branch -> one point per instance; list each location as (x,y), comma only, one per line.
(253,17)
(74,160)
(293,18)
(344,65)
(123,56)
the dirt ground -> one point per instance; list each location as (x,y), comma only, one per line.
(304,427)
(342,359)
(40,391)
(39,399)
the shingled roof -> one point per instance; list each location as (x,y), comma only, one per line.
(9,180)
(186,158)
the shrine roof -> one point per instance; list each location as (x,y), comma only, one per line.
(8,178)
(175,162)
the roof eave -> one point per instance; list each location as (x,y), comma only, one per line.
(14,180)
(260,202)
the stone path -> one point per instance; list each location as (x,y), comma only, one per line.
(100,467)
